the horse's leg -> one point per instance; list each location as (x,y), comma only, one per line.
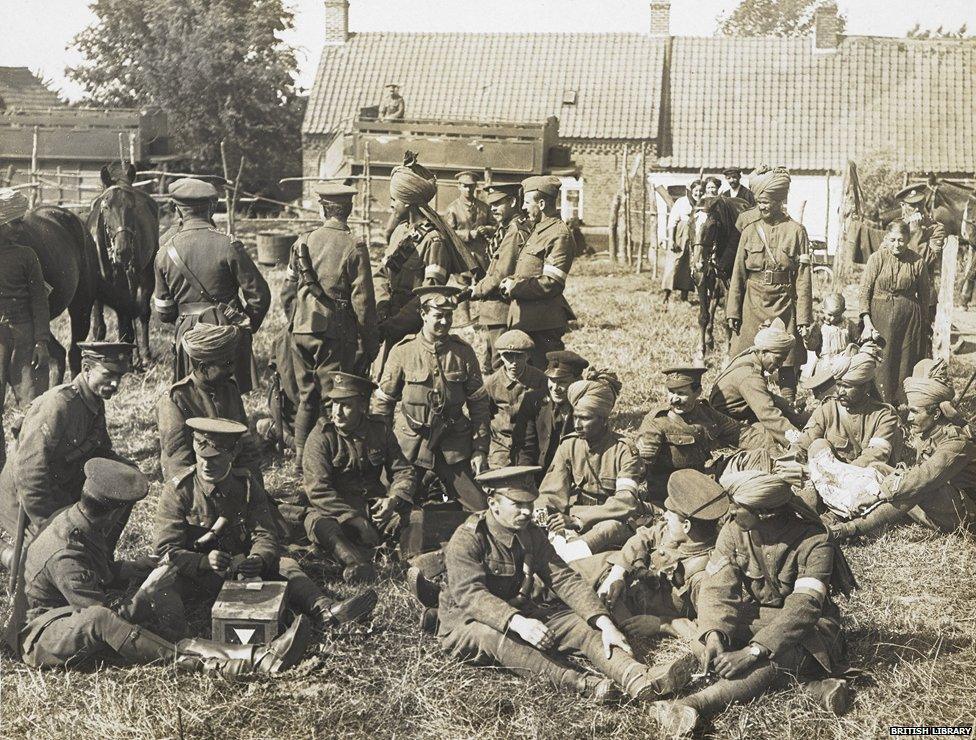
(98,321)
(80,313)
(57,365)
(144,299)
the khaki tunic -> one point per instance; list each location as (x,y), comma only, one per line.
(464,216)
(515,406)
(540,277)
(863,438)
(504,250)
(771,279)
(428,262)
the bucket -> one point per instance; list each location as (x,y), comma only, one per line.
(274,247)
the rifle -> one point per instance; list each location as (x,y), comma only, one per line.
(15,586)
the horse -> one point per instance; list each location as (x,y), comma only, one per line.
(124,226)
(59,239)
(715,243)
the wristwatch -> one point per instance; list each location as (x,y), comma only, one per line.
(755,650)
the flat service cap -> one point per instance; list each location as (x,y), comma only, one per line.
(335,191)
(547,184)
(683,377)
(516,482)
(565,364)
(440,296)
(514,340)
(114,482)
(347,385)
(913,194)
(116,356)
(215,436)
(192,190)
(467,178)
(693,495)
(499,191)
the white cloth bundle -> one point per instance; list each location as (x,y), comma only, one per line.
(847,490)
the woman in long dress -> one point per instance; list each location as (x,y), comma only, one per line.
(677,259)
(894,301)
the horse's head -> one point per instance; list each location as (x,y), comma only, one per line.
(116,218)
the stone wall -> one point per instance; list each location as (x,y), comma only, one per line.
(599,162)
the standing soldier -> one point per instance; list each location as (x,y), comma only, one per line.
(683,433)
(470,218)
(201,275)
(433,376)
(328,298)
(64,428)
(503,251)
(536,288)
(564,367)
(926,237)
(24,320)
(771,277)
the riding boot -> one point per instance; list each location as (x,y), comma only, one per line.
(874,522)
(357,567)
(282,653)
(305,597)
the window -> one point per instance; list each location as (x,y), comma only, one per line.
(571,205)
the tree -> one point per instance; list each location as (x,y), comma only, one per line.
(216,67)
(879,182)
(917,32)
(773,18)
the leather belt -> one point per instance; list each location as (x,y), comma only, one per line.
(772,277)
(192,309)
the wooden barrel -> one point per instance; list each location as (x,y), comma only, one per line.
(274,247)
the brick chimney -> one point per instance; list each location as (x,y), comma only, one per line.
(826,24)
(336,21)
(660,18)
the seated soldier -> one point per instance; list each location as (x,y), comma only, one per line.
(938,490)
(206,553)
(209,391)
(555,420)
(861,430)
(764,609)
(69,570)
(659,571)
(492,611)
(742,391)
(591,487)
(683,433)
(516,392)
(344,497)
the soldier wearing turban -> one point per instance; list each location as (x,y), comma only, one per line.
(742,391)
(939,489)
(765,612)
(771,275)
(591,485)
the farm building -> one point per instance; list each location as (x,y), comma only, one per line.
(810,104)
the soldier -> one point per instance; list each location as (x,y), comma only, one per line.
(433,376)
(538,306)
(516,392)
(208,391)
(555,420)
(345,504)
(470,217)
(392,105)
(201,275)
(926,237)
(684,433)
(764,609)
(659,571)
(206,553)
(63,429)
(503,251)
(939,489)
(591,488)
(771,276)
(328,298)
(742,392)
(494,561)
(24,321)
(69,570)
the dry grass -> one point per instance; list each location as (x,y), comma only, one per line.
(912,626)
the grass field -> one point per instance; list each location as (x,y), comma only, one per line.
(911,626)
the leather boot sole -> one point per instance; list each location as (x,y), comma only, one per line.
(424,591)
(664,682)
(350,610)
(676,720)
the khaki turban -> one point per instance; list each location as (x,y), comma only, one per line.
(861,368)
(758,490)
(211,343)
(771,182)
(929,384)
(774,338)
(13,205)
(412,183)
(595,396)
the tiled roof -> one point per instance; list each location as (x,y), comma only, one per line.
(745,101)
(497,77)
(19,88)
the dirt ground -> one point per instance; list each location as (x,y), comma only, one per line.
(911,627)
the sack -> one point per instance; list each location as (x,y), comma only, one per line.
(847,490)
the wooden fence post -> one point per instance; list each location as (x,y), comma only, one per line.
(643,241)
(942,330)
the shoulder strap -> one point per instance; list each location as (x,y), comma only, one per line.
(309,277)
(187,273)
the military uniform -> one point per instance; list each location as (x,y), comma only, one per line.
(596,484)
(224,269)
(668,442)
(555,420)
(742,392)
(415,256)
(24,321)
(538,306)
(465,216)
(868,436)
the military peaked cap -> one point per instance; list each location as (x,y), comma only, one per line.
(347,385)
(693,495)
(114,482)
(192,190)
(441,296)
(215,436)
(565,364)
(516,482)
(514,340)
(467,178)
(683,377)
(116,356)
(334,191)
(913,194)
(499,191)
(547,184)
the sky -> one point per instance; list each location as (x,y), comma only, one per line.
(38,33)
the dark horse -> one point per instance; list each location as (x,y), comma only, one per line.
(59,239)
(715,243)
(124,227)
